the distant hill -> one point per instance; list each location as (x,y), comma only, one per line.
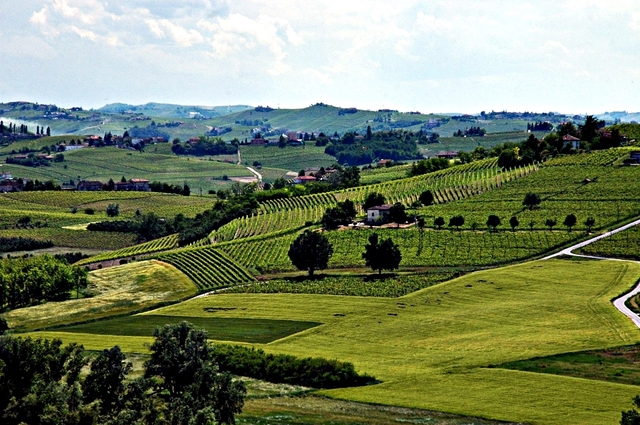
(167,110)
(622,116)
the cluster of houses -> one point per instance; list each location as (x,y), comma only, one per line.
(8,184)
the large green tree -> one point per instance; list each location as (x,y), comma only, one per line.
(310,251)
(383,255)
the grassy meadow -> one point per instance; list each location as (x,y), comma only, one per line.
(111,292)
(432,349)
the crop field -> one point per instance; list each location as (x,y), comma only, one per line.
(432,352)
(609,198)
(113,163)
(114,291)
(434,248)
(208,268)
(156,245)
(291,158)
(371,286)
(74,238)
(223,329)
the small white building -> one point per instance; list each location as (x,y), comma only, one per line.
(378,214)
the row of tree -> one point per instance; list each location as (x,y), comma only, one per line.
(493,221)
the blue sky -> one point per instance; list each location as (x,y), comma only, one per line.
(574,56)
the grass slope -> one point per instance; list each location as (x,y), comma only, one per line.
(117,290)
(433,353)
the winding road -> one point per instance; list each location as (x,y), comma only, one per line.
(619,303)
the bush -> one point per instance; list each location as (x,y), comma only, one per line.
(89,211)
(309,372)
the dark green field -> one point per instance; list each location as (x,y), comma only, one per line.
(240,330)
(620,365)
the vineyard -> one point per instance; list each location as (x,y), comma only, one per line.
(625,245)
(156,245)
(603,157)
(419,249)
(208,268)
(393,287)
(447,185)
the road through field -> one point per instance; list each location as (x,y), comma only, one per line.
(619,303)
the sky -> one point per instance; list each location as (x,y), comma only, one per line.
(571,56)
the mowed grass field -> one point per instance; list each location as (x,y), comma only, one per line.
(433,349)
(116,291)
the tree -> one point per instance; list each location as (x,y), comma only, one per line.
(4,327)
(385,255)
(397,213)
(513,222)
(493,221)
(531,200)
(590,222)
(631,417)
(426,198)
(197,392)
(531,225)
(113,210)
(105,381)
(438,222)
(373,199)
(457,221)
(340,215)
(550,223)
(310,251)
(570,221)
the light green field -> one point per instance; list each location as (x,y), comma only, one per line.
(116,291)
(432,348)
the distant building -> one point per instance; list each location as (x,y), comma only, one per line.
(10,186)
(258,142)
(571,140)
(447,154)
(6,176)
(304,179)
(89,185)
(378,213)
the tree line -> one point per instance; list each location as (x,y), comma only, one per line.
(30,281)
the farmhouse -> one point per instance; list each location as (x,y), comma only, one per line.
(133,185)
(378,213)
(10,186)
(571,140)
(447,154)
(304,179)
(88,185)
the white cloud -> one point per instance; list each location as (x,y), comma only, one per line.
(183,36)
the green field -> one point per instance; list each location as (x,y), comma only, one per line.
(222,329)
(433,353)
(619,365)
(114,291)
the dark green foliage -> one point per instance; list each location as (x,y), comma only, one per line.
(22,244)
(170,188)
(353,150)
(631,416)
(281,368)
(373,199)
(428,166)
(438,222)
(105,381)
(345,178)
(113,210)
(514,222)
(124,226)
(340,215)
(493,221)
(397,213)
(550,223)
(426,198)
(39,383)
(381,256)
(180,357)
(531,200)
(4,327)
(29,281)
(570,221)
(589,223)
(310,251)
(204,146)
(456,221)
